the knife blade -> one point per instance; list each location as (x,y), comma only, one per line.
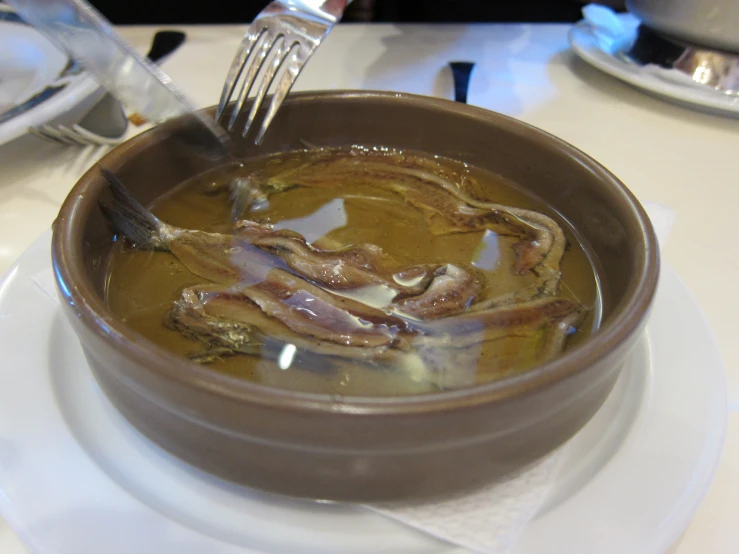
(88,37)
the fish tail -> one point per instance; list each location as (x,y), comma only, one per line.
(129,218)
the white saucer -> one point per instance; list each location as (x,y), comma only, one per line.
(600,46)
(38,85)
(76,479)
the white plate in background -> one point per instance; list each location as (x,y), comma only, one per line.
(597,47)
(36,84)
(28,63)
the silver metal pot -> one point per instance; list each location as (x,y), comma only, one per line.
(711,23)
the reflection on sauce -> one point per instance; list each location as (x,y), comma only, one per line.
(374,296)
(329,217)
(488,255)
(287,355)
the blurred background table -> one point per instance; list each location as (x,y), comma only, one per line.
(663,152)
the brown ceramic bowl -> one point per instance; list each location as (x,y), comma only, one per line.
(364,449)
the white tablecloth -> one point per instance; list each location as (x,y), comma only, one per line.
(664,153)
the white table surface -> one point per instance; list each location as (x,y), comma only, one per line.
(664,153)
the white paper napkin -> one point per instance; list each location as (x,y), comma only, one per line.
(662,219)
(491,519)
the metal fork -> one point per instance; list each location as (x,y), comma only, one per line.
(74,135)
(104,124)
(283,36)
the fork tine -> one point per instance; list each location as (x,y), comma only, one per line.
(292,70)
(237,66)
(284,25)
(278,59)
(91,137)
(71,135)
(40,134)
(251,74)
(50,131)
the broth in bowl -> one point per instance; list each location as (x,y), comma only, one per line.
(352,272)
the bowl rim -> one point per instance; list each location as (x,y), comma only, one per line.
(78,292)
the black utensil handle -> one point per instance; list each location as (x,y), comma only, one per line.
(461,72)
(164,43)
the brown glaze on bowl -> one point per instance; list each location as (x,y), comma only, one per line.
(364,449)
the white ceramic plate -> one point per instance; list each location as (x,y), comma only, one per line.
(29,63)
(76,479)
(36,86)
(596,47)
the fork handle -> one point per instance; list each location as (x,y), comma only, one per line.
(164,43)
(461,72)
